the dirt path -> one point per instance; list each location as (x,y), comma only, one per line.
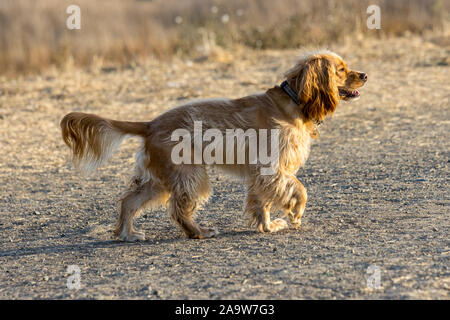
(377,181)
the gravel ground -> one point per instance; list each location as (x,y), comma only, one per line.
(377,182)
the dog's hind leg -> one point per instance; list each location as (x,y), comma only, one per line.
(190,188)
(137,197)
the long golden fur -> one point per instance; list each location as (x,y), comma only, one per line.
(320,80)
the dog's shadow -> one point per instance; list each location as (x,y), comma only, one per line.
(112,243)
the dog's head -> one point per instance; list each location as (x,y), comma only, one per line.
(321,80)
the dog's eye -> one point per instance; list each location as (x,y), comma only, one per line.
(341,69)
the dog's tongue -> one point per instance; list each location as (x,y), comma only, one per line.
(355,92)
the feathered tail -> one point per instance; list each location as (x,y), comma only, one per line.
(94,139)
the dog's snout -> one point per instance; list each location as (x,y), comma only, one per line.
(363,76)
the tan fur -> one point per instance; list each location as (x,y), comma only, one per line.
(316,78)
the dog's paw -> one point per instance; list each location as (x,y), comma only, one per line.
(278,224)
(133,236)
(296,224)
(273,226)
(206,233)
(295,220)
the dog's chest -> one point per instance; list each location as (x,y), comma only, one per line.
(294,148)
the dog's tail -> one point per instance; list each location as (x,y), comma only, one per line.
(94,139)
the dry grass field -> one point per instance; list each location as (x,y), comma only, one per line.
(33,34)
(378,181)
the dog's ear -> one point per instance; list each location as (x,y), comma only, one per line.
(317,92)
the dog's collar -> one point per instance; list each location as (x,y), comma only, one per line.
(291,93)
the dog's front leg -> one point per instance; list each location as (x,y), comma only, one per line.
(260,215)
(295,205)
(282,191)
(271,226)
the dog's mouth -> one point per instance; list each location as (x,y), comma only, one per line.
(348,94)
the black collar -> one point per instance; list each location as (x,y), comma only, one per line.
(291,93)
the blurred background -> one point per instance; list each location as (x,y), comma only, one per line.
(377,177)
(34,36)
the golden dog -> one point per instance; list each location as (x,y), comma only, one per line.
(312,90)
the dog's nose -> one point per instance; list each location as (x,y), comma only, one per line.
(363,76)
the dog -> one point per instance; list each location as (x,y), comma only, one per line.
(312,90)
